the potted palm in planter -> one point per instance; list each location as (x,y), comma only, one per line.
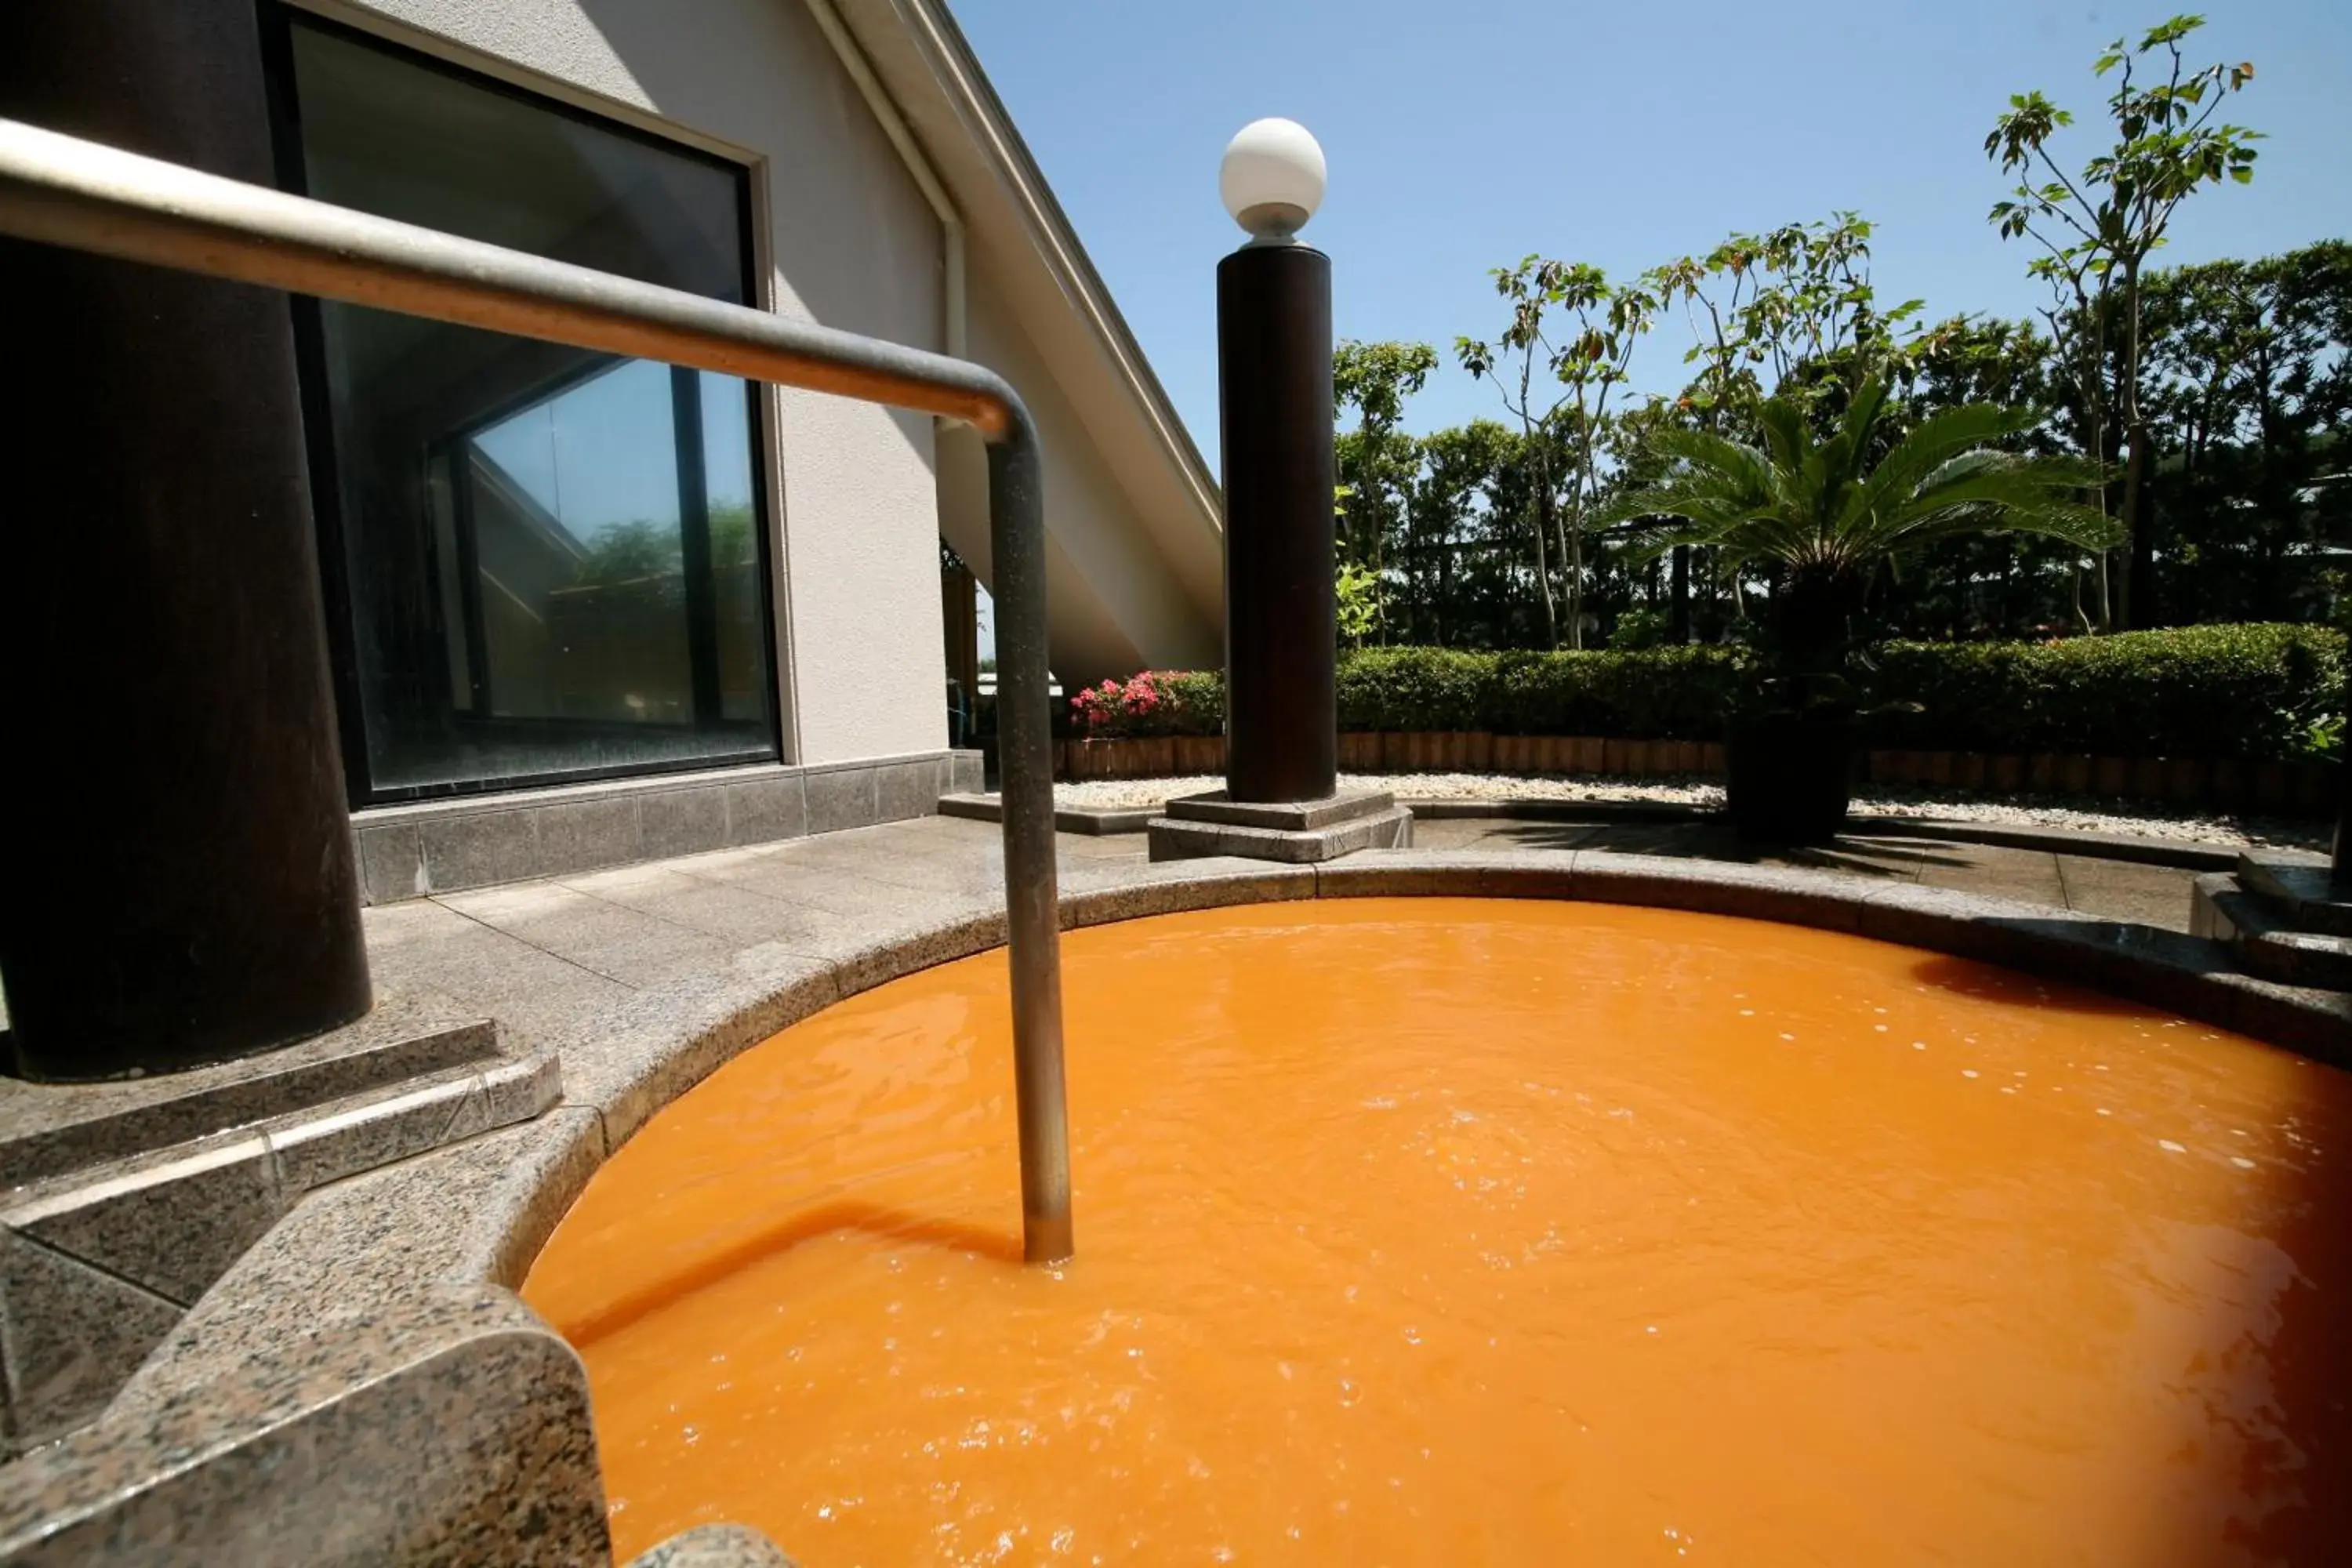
(1826,518)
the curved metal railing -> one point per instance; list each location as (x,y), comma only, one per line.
(65,191)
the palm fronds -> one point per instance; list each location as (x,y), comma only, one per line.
(1818,505)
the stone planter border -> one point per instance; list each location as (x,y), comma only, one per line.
(2300,788)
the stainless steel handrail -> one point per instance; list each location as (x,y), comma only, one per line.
(62,190)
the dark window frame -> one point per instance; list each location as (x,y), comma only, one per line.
(279,20)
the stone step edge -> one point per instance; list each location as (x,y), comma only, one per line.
(315,1144)
(2261,935)
(2293,886)
(143,1239)
(257,1091)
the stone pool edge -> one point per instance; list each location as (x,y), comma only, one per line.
(374,1332)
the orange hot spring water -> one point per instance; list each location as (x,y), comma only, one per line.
(1462,1232)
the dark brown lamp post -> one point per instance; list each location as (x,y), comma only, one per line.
(1274,360)
(1281,800)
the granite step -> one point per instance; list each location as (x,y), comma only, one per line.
(99,1261)
(49,1130)
(2262,931)
(2307,897)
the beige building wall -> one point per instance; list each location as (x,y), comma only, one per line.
(848,239)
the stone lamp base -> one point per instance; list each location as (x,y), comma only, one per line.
(1297,832)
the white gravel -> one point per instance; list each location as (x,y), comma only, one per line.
(2138,818)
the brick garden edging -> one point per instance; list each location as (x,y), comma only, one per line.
(2300,787)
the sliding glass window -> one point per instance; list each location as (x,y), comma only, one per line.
(542,564)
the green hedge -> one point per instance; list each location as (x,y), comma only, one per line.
(2246,691)
(1660,694)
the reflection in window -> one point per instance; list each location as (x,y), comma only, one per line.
(553,558)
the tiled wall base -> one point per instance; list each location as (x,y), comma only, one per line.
(440,847)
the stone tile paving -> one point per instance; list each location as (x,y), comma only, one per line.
(2150,895)
(598,936)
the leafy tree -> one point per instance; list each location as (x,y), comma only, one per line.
(2098,227)
(2249,398)
(1607,323)
(1568,321)
(1376,459)
(1358,590)
(1465,518)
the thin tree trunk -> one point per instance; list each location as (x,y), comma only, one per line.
(2129,610)
(2139,582)
(1543,533)
(1678,598)
(1543,568)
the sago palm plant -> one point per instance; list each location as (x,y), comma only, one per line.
(1828,517)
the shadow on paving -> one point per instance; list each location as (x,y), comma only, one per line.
(1716,841)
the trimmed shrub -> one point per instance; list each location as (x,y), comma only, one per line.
(1682,693)
(2254,692)
(1416,689)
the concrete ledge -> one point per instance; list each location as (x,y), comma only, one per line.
(1293,816)
(1090,820)
(1386,827)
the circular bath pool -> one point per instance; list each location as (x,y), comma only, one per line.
(1438,1231)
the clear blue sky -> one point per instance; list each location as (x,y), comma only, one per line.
(1463,135)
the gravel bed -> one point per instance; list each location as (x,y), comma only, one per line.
(2138,818)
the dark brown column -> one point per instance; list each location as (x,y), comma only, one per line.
(179,883)
(1273,359)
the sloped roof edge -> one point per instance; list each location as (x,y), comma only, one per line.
(956,72)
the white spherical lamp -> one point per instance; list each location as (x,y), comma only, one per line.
(1272,179)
